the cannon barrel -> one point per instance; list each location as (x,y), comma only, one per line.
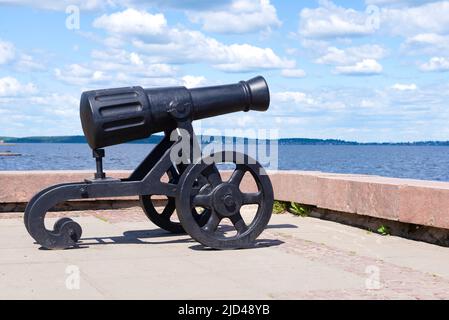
(113,116)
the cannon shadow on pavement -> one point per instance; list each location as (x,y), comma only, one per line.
(144,237)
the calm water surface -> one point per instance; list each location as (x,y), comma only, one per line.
(428,163)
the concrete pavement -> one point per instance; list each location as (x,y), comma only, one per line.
(124,256)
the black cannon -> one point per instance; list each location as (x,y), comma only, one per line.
(194,186)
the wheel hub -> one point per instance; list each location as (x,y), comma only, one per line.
(227,199)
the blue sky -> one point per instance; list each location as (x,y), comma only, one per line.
(374,70)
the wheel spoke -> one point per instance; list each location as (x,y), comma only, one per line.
(237,176)
(212,223)
(252,198)
(169,208)
(239,223)
(195,191)
(201,180)
(213,176)
(202,200)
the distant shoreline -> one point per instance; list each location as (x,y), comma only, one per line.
(8,141)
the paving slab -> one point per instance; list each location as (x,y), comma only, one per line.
(125,256)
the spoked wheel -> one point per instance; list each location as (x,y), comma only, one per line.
(163,219)
(228,227)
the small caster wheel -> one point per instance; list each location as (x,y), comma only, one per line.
(68,226)
(59,223)
(228,227)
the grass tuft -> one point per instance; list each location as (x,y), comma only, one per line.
(383,230)
(292,207)
(298,209)
(279,207)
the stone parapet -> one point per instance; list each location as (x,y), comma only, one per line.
(405,200)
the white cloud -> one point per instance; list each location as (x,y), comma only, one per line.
(116,67)
(244,121)
(405,87)
(61,5)
(21,61)
(241,16)
(428,38)
(428,18)
(436,64)
(135,59)
(89,5)
(424,24)
(131,62)
(365,113)
(364,67)
(245,57)
(296,102)
(351,55)
(56,104)
(188,5)
(293,73)
(193,81)
(426,43)
(7,52)
(179,45)
(131,21)
(11,87)
(38,113)
(360,60)
(28,63)
(365,103)
(293,96)
(80,75)
(396,2)
(330,20)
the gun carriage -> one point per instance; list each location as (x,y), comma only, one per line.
(195,188)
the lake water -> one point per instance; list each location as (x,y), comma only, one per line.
(423,162)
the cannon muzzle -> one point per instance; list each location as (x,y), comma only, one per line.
(114,116)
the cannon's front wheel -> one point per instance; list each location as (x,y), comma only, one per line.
(228,227)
